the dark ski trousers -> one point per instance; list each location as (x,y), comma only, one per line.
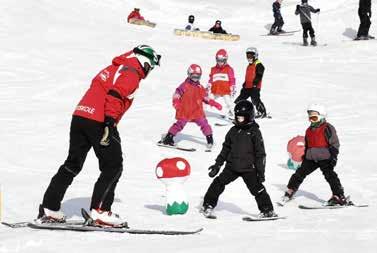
(85,134)
(307,167)
(227,176)
(307,27)
(254,94)
(364,25)
(279,22)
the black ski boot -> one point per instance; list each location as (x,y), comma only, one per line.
(207,211)
(305,42)
(209,141)
(267,214)
(313,42)
(168,140)
(337,200)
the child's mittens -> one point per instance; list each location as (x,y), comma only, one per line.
(213,170)
(213,103)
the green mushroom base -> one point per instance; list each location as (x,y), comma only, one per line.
(177,208)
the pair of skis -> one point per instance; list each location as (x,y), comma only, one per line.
(210,215)
(89,225)
(286,33)
(323,206)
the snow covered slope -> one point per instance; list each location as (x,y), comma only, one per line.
(50,50)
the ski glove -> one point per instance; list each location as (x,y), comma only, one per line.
(318,10)
(213,103)
(213,170)
(108,131)
(333,161)
(233,90)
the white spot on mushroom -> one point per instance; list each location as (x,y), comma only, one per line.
(159,172)
(181,165)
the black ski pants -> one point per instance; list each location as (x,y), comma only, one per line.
(85,134)
(279,22)
(307,27)
(227,176)
(307,167)
(364,24)
(254,94)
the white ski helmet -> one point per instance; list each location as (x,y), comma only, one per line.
(317,108)
(254,52)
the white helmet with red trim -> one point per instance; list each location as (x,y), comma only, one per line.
(221,57)
(194,72)
(320,109)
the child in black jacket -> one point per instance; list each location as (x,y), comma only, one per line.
(244,153)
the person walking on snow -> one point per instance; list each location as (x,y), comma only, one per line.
(253,82)
(244,153)
(190,26)
(94,125)
(304,11)
(365,14)
(188,101)
(321,151)
(276,27)
(222,82)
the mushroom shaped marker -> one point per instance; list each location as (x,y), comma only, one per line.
(173,172)
(296,149)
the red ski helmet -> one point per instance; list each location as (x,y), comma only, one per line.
(194,72)
(221,57)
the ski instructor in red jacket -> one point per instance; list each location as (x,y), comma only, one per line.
(94,125)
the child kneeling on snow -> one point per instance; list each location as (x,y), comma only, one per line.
(188,101)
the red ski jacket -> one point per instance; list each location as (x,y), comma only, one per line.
(191,97)
(221,80)
(135,15)
(112,90)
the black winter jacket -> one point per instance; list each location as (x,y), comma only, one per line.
(243,150)
(276,9)
(215,29)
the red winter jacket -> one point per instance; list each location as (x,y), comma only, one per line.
(112,90)
(191,97)
(221,80)
(135,15)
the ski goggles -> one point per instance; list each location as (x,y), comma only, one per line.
(195,77)
(314,118)
(221,60)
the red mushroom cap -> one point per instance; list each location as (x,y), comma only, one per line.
(296,148)
(173,167)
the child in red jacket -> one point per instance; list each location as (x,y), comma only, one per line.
(222,81)
(188,101)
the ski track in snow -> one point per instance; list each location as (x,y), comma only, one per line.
(51,51)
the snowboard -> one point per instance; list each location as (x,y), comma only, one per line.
(206,35)
(255,218)
(142,22)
